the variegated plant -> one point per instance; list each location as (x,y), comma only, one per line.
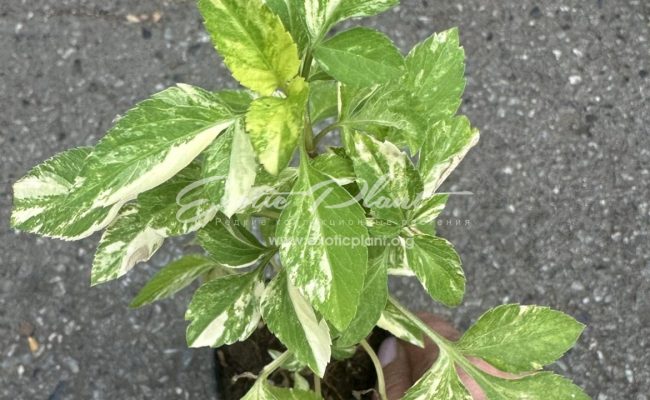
(304,243)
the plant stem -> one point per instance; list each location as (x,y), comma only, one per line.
(381,382)
(445,346)
(317,385)
(277,363)
(325,131)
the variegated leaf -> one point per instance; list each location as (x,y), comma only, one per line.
(230,169)
(45,187)
(326,260)
(435,75)
(138,232)
(429,209)
(127,241)
(441,382)
(387,112)
(178,206)
(360,56)
(230,244)
(518,338)
(387,177)
(399,325)
(446,144)
(275,125)
(260,53)
(437,265)
(321,15)
(292,14)
(173,278)
(225,310)
(337,165)
(539,386)
(148,146)
(292,319)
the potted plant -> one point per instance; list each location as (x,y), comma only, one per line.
(299,240)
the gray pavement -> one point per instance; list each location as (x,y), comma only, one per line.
(560,213)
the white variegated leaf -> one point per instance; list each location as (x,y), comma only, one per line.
(399,325)
(225,310)
(436,265)
(229,170)
(445,146)
(321,15)
(326,260)
(539,386)
(518,338)
(292,319)
(441,382)
(435,75)
(148,146)
(127,241)
(387,177)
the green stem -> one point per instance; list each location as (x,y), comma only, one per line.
(381,382)
(277,363)
(317,385)
(325,131)
(445,346)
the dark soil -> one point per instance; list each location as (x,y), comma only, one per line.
(349,379)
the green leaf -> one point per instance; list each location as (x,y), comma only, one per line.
(336,165)
(387,177)
(375,296)
(230,244)
(518,338)
(230,169)
(446,144)
(321,15)
(292,320)
(236,100)
(441,382)
(148,146)
(293,394)
(399,325)
(385,112)
(322,244)
(265,391)
(437,265)
(173,278)
(260,53)
(323,100)
(539,386)
(225,310)
(428,210)
(435,75)
(360,56)
(275,125)
(127,241)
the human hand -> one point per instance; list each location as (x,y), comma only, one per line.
(404,363)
